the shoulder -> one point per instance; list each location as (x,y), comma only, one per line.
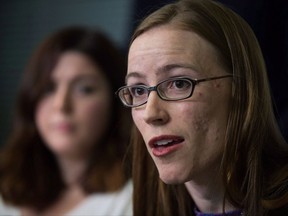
(7,209)
(118,203)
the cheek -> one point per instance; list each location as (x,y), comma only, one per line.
(208,123)
(209,110)
(201,123)
(96,115)
(42,114)
(195,115)
(136,116)
(98,111)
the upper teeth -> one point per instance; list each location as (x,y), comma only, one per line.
(163,142)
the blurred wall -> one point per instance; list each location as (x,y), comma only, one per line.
(24,24)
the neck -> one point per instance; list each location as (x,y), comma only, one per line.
(72,169)
(208,194)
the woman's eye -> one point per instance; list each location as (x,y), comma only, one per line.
(180,84)
(86,89)
(137,91)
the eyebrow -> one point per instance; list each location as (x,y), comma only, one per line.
(133,74)
(166,68)
(87,77)
(78,78)
(170,67)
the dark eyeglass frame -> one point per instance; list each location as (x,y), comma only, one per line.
(193,82)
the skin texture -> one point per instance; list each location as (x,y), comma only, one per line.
(200,120)
(75,110)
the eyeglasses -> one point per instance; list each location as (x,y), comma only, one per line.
(172,89)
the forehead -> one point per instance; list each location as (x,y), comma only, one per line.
(167,37)
(167,45)
(73,63)
(160,35)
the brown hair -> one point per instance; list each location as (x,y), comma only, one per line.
(255,161)
(29,173)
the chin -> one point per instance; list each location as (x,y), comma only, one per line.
(62,148)
(173,172)
(173,178)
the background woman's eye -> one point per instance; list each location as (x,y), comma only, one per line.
(86,89)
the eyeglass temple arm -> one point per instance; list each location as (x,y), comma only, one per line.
(211,78)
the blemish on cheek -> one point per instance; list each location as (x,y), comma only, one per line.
(201,124)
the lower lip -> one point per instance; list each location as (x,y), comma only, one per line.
(162,151)
(64,128)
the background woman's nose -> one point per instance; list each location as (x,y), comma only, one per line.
(62,100)
(155,110)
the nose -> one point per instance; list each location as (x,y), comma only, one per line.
(62,101)
(155,110)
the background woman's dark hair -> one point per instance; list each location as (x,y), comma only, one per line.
(29,173)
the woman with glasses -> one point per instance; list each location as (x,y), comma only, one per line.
(206,141)
(65,153)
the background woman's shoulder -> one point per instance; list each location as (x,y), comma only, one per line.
(7,210)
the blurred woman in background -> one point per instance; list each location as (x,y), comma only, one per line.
(65,153)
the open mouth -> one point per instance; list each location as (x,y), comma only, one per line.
(165,145)
(167,142)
